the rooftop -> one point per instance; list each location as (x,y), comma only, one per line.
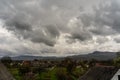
(100,73)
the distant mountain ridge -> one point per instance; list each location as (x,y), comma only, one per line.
(95,55)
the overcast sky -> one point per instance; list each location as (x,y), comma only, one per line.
(59,27)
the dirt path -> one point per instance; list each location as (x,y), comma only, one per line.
(4,73)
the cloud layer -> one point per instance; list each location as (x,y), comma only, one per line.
(59,27)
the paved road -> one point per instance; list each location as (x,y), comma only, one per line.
(4,73)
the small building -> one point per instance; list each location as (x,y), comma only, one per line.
(26,63)
(116,76)
(101,73)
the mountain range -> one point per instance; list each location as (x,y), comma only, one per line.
(98,55)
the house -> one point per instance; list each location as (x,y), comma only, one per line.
(101,73)
(116,76)
(26,63)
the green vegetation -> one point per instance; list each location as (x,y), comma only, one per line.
(15,73)
(48,70)
(57,73)
(66,69)
(117,60)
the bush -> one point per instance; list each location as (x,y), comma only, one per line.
(23,70)
(6,59)
(61,75)
(38,69)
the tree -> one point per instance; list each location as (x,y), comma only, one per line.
(39,69)
(118,54)
(23,70)
(117,60)
(70,65)
(61,75)
(6,59)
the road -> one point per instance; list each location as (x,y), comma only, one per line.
(4,73)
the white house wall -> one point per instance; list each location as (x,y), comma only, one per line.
(115,77)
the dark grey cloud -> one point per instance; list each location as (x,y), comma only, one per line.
(52,30)
(109,15)
(105,19)
(28,20)
(117,39)
(103,30)
(17,25)
(86,19)
(80,35)
(4,52)
(44,51)
(63,4)
(102,40)
(52,22)
(37,20)
(31,24)
(47,35)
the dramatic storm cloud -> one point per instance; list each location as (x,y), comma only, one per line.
(58,27)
